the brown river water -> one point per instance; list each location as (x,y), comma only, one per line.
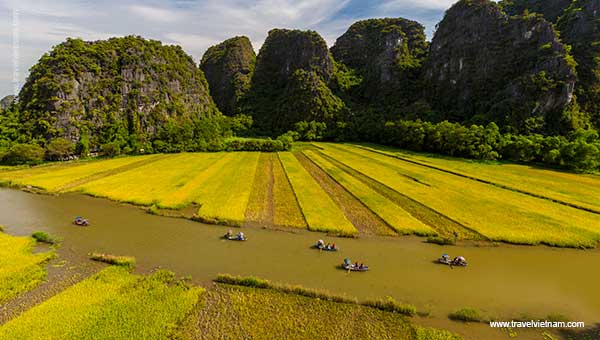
(503,281)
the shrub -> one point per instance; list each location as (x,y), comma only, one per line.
(254,144)
(243,281)
(442,241)
(111,149)
(122,261)
(44,237)
(467,315)
(59,148)
(24,154)
(390,305)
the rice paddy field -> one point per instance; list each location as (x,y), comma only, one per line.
(20,269)
(112,304)
(498,214)
(347,190)
(233,312)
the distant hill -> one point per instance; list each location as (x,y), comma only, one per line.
(116,89)
(228,67)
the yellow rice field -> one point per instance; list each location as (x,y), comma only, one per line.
(499,214)
(20,270)
(154,183)
(52,178)
(222,184)
(286,210)
(579,189)
(321,213)
(400,220)
(225,196)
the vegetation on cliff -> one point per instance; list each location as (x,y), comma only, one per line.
(579,25)
(290,83)
(387,55)
(125,90)
(475,74)
(228,68)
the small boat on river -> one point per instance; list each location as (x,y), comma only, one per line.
(231,237)
(457,261)
(80,221)
(325,247)
(354,267)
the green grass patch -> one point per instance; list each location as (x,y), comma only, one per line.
(20,270)
(112,304)
(442,241)
(43,237)
(390,305)
(123,261)
(467,315)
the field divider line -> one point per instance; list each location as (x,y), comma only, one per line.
(374,215)
(110,172)
(477,179)
(293,191)
(427,208)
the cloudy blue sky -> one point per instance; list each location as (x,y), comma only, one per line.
(193,24)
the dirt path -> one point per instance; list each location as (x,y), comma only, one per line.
(363,219)
(64,271)
(444,225)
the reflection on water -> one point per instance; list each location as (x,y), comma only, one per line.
(503,281)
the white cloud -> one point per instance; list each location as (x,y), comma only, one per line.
(156,14)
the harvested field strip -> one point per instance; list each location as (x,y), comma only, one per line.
(224,197)
(545,184)
(400,220)
(442,224)
(112,304)
(286,209)
(152,183)
(320,211)
(260,203)
(20,270)
(58,177)
(500,215)
(356,212)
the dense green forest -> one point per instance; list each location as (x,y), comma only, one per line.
(516,80)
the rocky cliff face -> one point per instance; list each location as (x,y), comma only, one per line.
(6,101)
(376,47)
(579,24)
(580,27)
(118,88)
(387,54)
(486,66)
(290,83)
(228,68)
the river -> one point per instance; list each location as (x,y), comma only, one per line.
(503,281)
